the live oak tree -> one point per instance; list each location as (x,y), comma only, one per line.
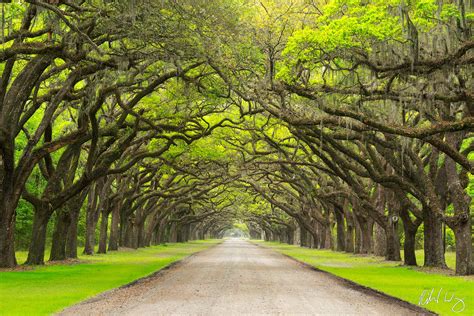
(377,77)
(337,124)
(85,66)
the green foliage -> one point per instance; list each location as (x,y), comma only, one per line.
(23,225)
(355,24)
(208,149)
(242,226)
(241,37)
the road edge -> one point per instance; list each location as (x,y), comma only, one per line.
(355,285)
(156,274)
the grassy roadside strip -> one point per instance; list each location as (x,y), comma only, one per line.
(50,288)
(456,294)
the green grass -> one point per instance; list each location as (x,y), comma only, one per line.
(449,256)
(48,289)
(390,277)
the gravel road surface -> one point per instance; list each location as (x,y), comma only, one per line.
(235,278)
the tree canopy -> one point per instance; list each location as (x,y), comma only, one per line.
(342,124)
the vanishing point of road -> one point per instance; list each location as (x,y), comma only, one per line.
(235,278)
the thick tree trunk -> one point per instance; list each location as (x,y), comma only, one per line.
(128,236)
(91,225)
(267,235)
(433,240)
(8,204)
(65,234)
(409,255)
(393,242)
(319,236)
(391,229)
(151,232)
(349,228)
(14,94)
(380,240)
(290,235)
(303,237)
(154,238)
(182,235)
(329,244)
(38,236)
(410,228)
(297,235)
(128,231)
(202,235)
(364,235)
(358,237)
(310,240)
(141,242)
(410,243)
(104,223)
(92,218)
(7,240)
(71,241)
(114,228)
(340,233)
(366,239)
(325,237)
(173,237)
(187,232)
(58,247)
(193,234)
(158,232)
(133,236)
(462,233)
(162,231)
(461,223)
(350,238)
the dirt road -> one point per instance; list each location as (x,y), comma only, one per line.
(237,277)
